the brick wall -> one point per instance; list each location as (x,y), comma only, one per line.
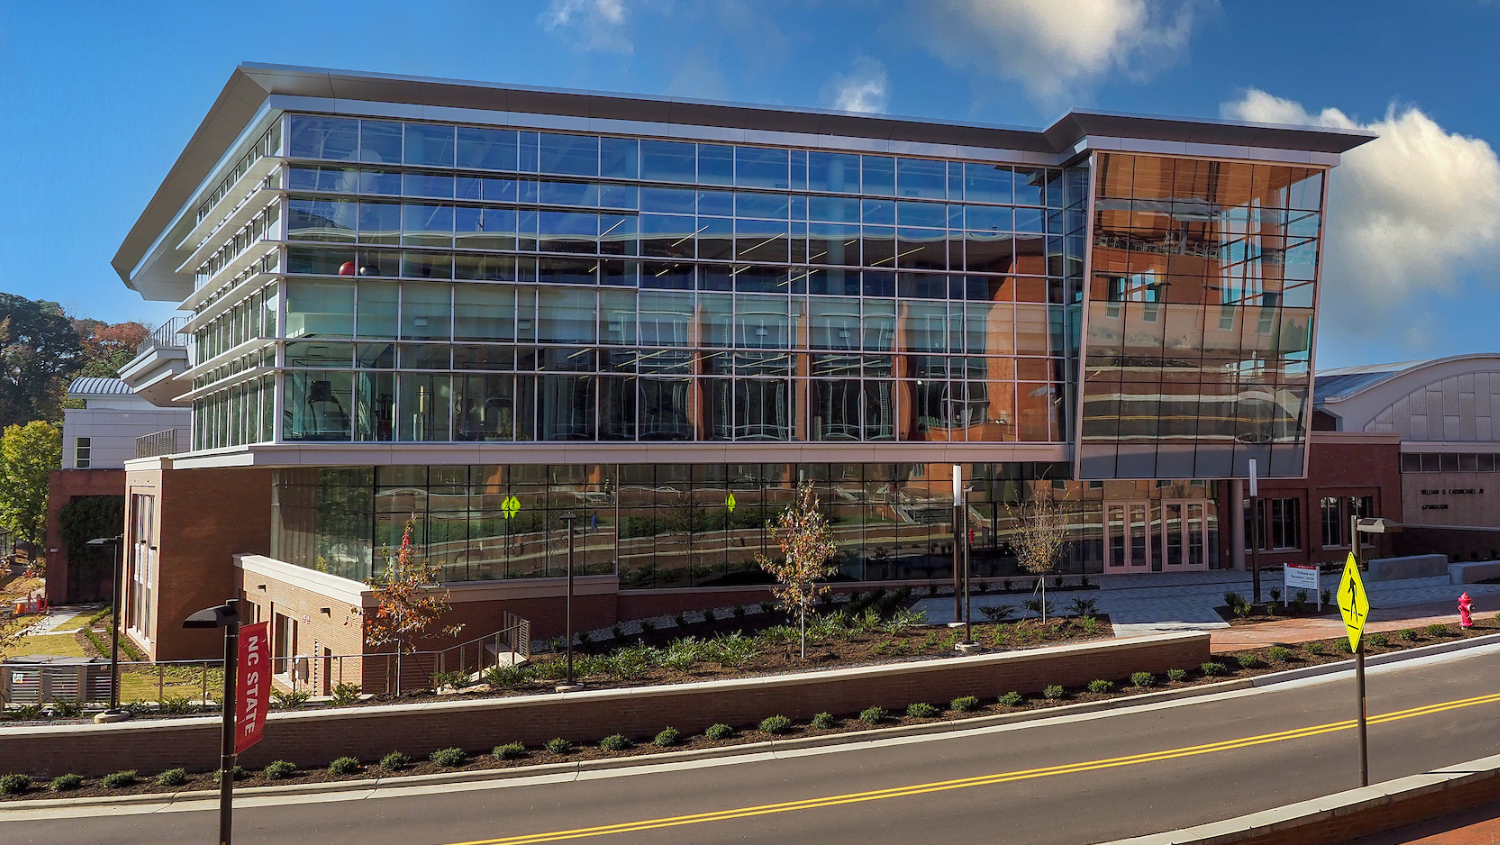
(311,739)
(63,486)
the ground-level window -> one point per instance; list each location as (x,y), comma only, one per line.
(1279,526)
(1337,511)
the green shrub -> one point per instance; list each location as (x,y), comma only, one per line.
(775,725)
(584,639)
(238,773)
(1233,600)
(681,620)
(1053,691)
(1406,635)
(618,633)
(1275,594)
(1247,661)
(14,784)
(648,627)
(116,780)
(1280,654)
(1327,597)
(709,618)
(394,761)
(1380,640)
(615,742)
(176,705)
(1101,686)
(65,783)
(345,695)
(1437,629)
(1176,674)
(921,710)
(873,715)
(289,700)
(1342,646)
(964,703)
(501,677)
(1213,669)
(667,738)
(509,751)
(450,757)
(343,766)
(739,611)
(172,777)
(823,721)
(558,746)
(719,732)
(1314,648)
(66,709)
(998,613)
(767,606)
(279,770)
(1142,679)
(1010,699)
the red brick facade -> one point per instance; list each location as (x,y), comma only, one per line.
(89,582)
(311,739)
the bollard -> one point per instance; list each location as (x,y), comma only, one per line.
(1465,612)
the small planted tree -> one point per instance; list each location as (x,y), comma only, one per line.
(408,603)
(1041,531)
(807,550)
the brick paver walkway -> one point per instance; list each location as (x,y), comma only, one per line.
(1303,630)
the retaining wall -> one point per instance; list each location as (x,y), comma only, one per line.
(312,738)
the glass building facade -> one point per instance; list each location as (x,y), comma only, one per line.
(625,302)
(434,282)
(680,525)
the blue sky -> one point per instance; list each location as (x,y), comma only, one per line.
(99,99)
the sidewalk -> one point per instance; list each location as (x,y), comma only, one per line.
(1303,630)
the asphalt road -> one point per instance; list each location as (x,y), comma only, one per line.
(1066,781)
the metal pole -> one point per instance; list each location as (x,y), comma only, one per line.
(968,598)
(567,519)
(1256,529)
(114,637)
(226,747)
(1359,670)
(957,555)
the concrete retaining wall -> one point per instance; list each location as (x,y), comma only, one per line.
(313,738)
(1472,573)
(1414,566)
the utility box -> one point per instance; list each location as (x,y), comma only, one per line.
(45,678)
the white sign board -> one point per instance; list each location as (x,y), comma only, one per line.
(1300,577)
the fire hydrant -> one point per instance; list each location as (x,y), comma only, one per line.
(1465,612)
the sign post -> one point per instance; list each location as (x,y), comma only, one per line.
(1354,606)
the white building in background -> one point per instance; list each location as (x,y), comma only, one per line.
(103,433)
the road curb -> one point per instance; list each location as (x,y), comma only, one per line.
(1348,815)
(753,749)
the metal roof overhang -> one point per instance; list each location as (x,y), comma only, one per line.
(145,260)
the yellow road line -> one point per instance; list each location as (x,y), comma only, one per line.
(982,780)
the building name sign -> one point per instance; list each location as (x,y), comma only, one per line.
(1455,491)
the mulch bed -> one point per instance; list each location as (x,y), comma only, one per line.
(1239,665)
(1274,612)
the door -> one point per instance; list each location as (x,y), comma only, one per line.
(1127,537)
(1184,535)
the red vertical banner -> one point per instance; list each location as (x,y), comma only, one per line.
(254,684)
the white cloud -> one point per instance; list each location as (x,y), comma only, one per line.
(1058,48)
(865,88)
(592,24)
(1410,213)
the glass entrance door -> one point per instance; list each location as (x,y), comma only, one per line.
(1184,535)
(1127,537)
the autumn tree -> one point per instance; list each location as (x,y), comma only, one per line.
(807,549)
(39,351)
(106,347)
(28,454)
(1041,531)
(408,602)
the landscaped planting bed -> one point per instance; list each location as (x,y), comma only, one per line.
(417,761)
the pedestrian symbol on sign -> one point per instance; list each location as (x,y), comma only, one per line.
(1354,604)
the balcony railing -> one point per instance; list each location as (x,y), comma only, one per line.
(156,443)
(165,336)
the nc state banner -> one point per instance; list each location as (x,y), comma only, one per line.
(254,683)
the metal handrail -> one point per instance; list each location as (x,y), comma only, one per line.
(165,336)
(156,443)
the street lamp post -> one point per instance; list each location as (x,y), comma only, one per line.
(958,537)
(114,713)
(567,519)
(1255,530)
(226,616)
(1359,526)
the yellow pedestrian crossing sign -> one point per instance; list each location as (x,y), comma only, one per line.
(1353,603)
(729,503)
(510,506)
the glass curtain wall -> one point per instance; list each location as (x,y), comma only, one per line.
(1200,318)
(675,525)
(503,284)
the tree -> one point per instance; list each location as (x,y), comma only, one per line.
(106,347)
(807,548)
(39,350)
(1041,532)
(27,455)
(408,602)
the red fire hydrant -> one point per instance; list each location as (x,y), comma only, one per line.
(1465,612)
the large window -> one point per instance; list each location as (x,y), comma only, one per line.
(1279,526)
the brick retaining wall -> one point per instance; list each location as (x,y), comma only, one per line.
(312,738)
